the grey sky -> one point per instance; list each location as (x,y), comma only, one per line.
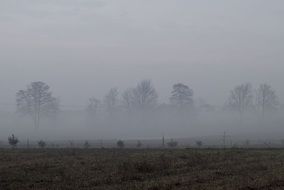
(81,48)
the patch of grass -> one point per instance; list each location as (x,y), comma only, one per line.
(141,169)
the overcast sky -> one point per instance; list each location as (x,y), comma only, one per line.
(81,48)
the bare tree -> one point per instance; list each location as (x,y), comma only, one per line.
(127,99)
(86,144)
(13,141)
(120,144)
(111,100)
(182,96)
(144,95)
(172,144)
(93,106)
(199,143)
(266,99)
(139,144)
(41,144)
(241,98)
(37,100)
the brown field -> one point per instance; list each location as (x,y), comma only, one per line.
(141,169)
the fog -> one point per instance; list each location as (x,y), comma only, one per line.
(83,48)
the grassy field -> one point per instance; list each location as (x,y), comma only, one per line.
(141,169)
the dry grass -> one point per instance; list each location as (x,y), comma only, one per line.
(141,169)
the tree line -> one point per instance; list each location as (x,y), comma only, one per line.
(37,100)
